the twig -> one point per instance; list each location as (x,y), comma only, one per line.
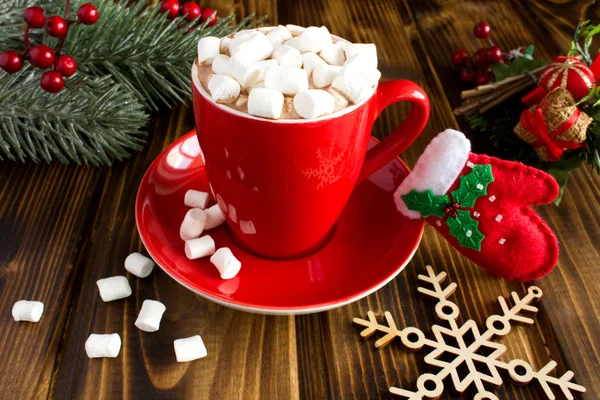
(507,95)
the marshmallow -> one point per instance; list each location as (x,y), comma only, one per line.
(312,39)
(266,103)
(372,75)
(287,80)
(247,227)
(313,103)
(256,85)
(148,319)
(201,247)
(223,89)
(196,199)
(25,310)
(113,288)
(220,65)
(188,349)
(139,265)
(365,53)
(226,263)
(279,35)
(245,73)
(334,54)
(295,30)
(214,217)
(340,100)
(311,60)
(97,346)
(262,66)
(245,34)
(352,84)
(287,56)
(323,75)
(193,224)
(224,45)
(255,48)
(208,49)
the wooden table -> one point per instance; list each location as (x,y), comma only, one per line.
(64,227)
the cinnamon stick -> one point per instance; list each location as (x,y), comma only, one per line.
(507,95)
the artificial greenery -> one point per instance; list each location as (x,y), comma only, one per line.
(132,60)
(520,65)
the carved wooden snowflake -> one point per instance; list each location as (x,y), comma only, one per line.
(464,347)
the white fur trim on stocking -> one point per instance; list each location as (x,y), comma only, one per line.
(436,169)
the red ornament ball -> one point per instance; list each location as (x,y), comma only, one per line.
(206,15)
(88,14)
(460,57)
(56,26)
(494,55)
(52,82)
(480,57)
(171,7)
(41,56)
(34,16)
(65,65)
(483,77)
(482,30)
(191,11)
(568,73)
(11,61)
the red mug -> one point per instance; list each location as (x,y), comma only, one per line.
(284,183)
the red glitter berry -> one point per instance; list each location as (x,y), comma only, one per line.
(52,82)
(191,11)
(479,58)
(467,75)
(482,30)
(206,15)
(11,61)
(483,78)
(41,56)
(171,7)
(88,14)
(56,26)
(494,55)
(65,65)
(34,16)
(460,57)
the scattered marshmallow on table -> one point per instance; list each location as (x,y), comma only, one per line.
(208,48)
(333,54)
(323,75)
(223,89)
(26,310)
(214,216)
(193,224)
(314,103)
(255,48)
(266,103)
(226,263)
(188,349)
(201,247)
(113,288)
(311,39)
(279,35)
(139,265)
(99,346)
(287,80)
(352,84)
(311,60)
(287,56)
(148,319)
(196,199)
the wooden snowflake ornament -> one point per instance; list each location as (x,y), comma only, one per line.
(452,342)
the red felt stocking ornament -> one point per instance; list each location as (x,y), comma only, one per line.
(482,206)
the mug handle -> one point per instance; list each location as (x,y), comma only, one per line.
(392,92)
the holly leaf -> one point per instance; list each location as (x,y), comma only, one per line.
(520,65)
(466,230)
(473,185)
(426,203)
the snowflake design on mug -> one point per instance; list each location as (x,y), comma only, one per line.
(326,172)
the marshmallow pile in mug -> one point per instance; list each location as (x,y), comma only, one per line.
(287,71)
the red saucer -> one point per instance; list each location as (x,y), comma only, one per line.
(371,243)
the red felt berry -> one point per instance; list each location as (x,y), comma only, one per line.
(52,82)
(11,61)
(191,11)
(467,75)
(494,55)
(34,16)
(41,56)
(483,77)
(206,14)
(65,65)
(479,58)
(88,14)
(56,26)
(171,7)
(460,57)
(482,30)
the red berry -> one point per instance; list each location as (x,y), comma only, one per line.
(494,55)
(483,77)
(87,14)
(11,61)
(482,30)
(479,58)
(486,68)
(460,57)
(41,56)
(191,11)
(56,26)
(170,6)
(34,16)
(467,75)
(52,82)
(206,13)
(65,65)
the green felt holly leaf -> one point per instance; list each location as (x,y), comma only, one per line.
(520,65)
(426,203)
(473,185)
(466,230)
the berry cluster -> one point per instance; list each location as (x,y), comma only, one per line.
(478,67)
(42,56)
(190,11)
